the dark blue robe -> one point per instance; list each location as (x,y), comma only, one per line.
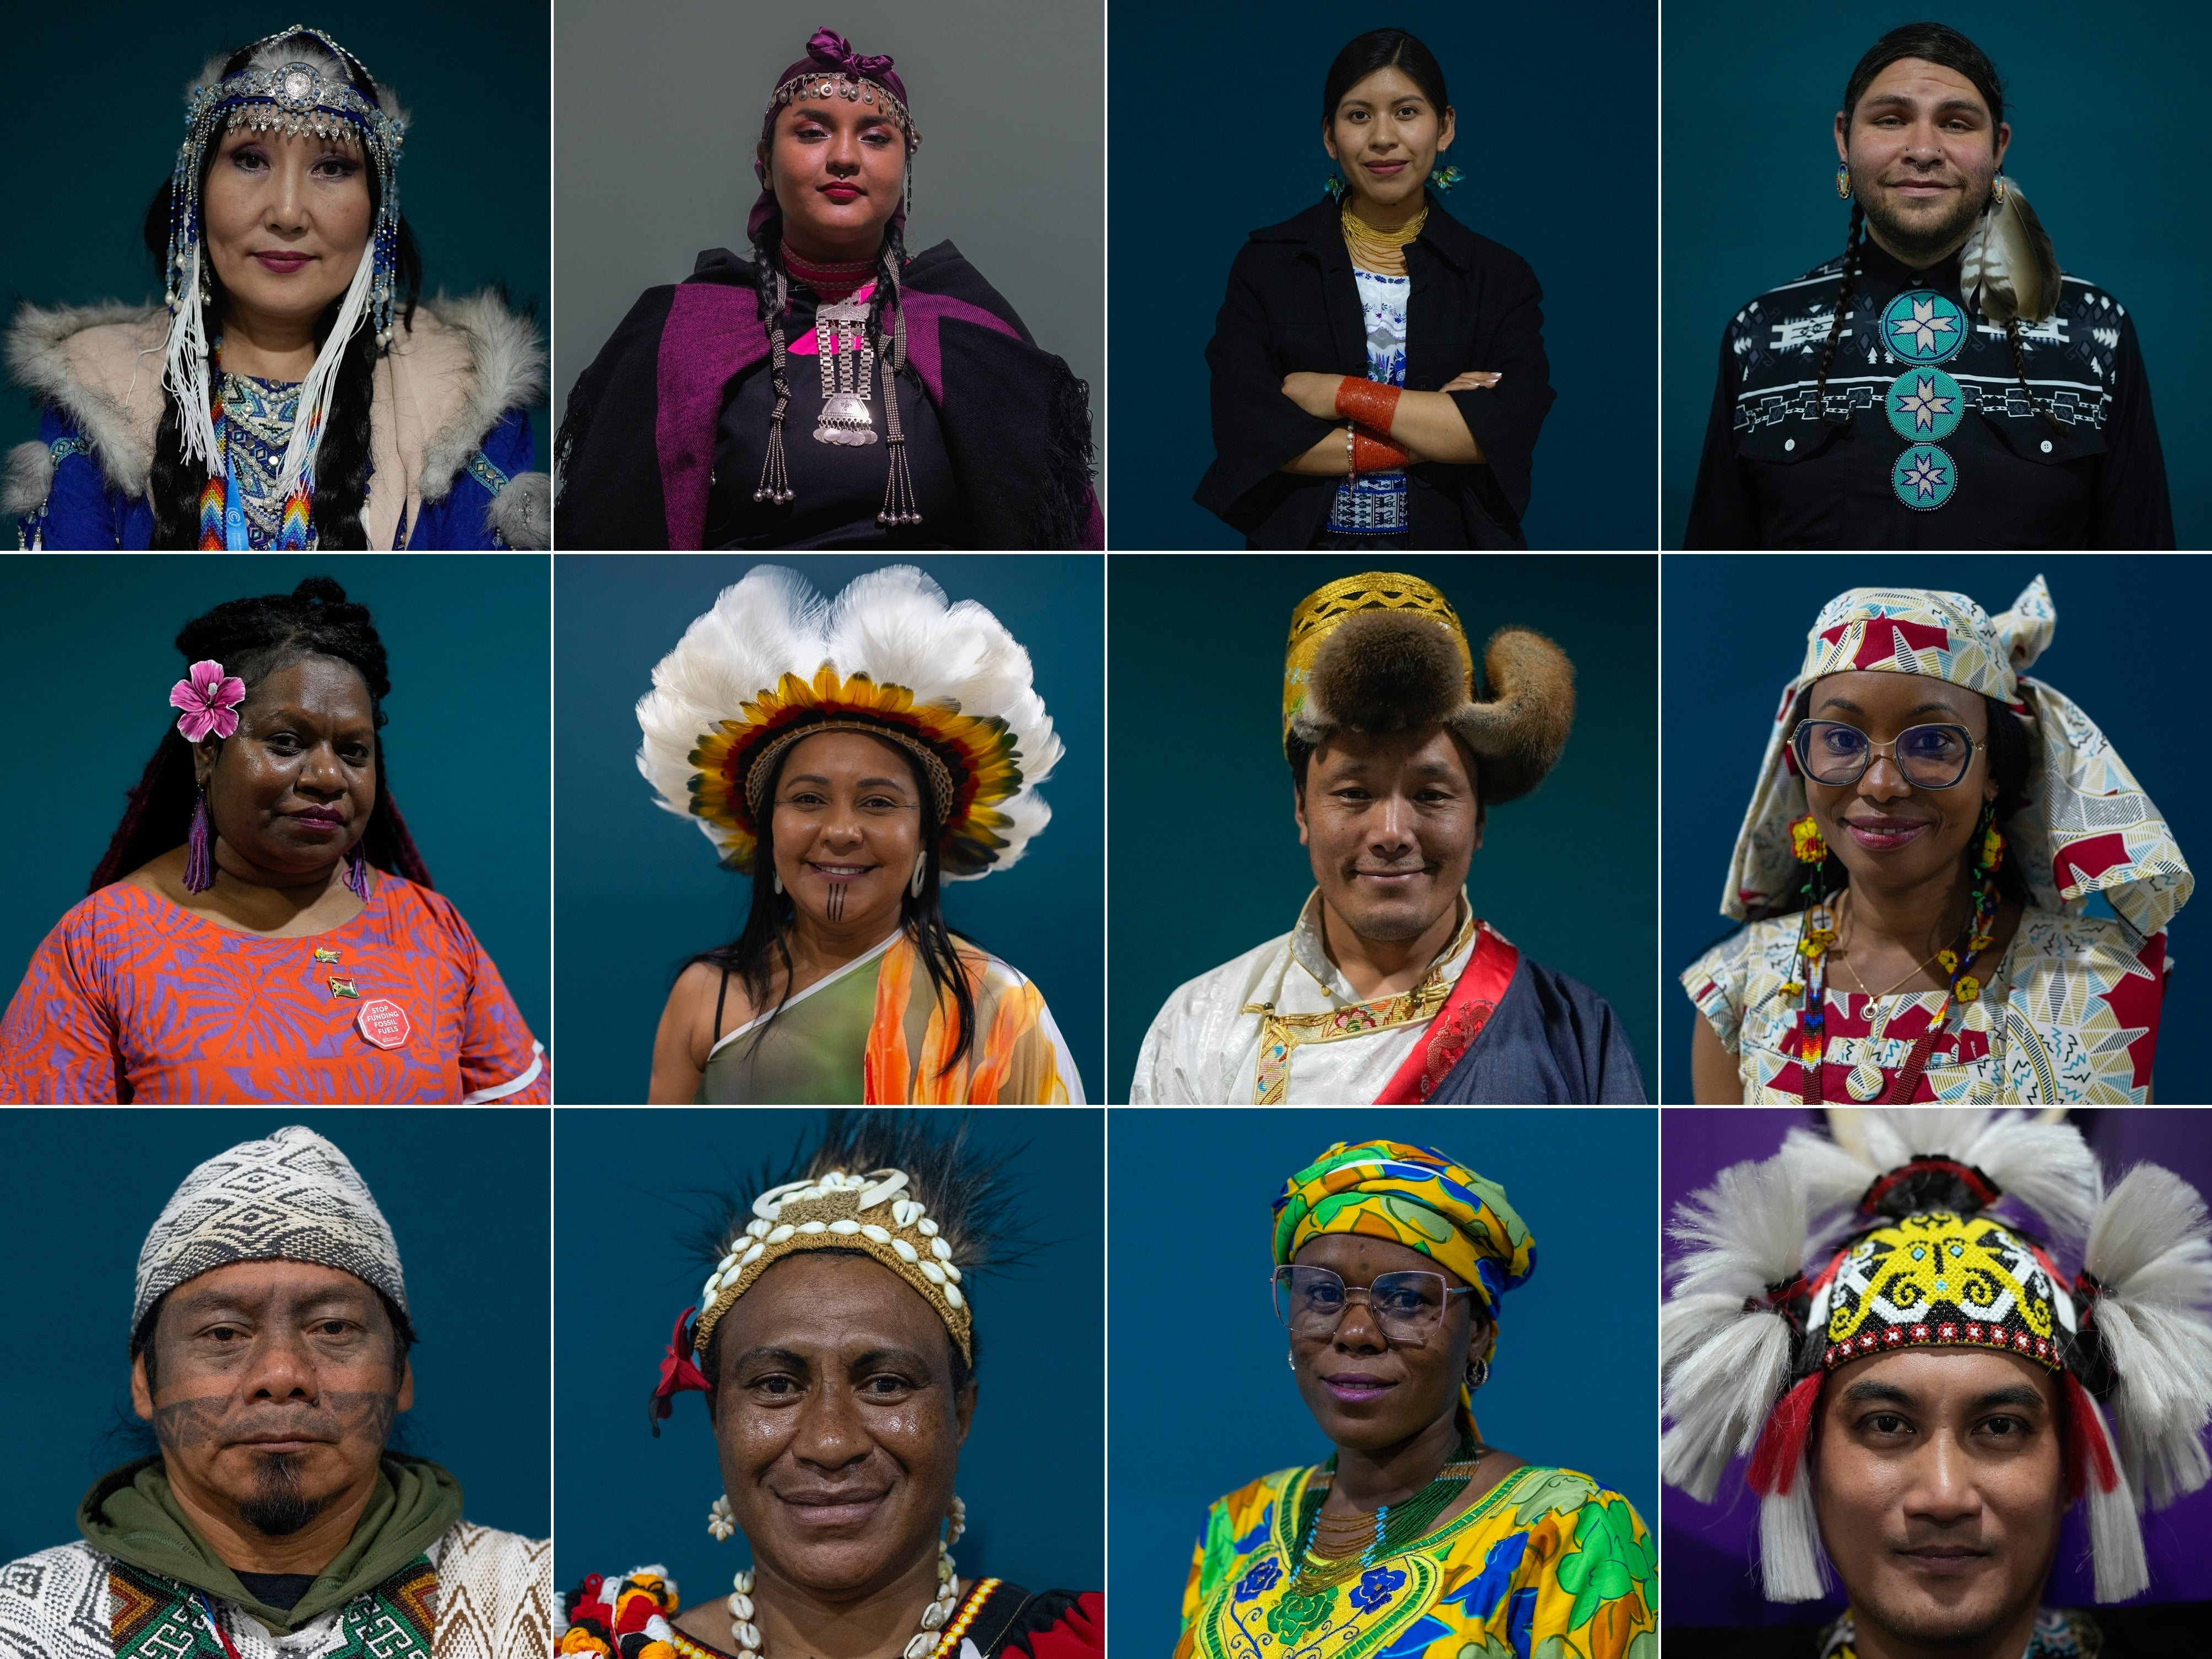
(1554,1042)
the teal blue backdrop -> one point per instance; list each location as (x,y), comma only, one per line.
(86,641)
(464,1190)
(1216,131)
(1577,1378)
(1205,858)
(95,111)
(640,892)
(1032,1470)
(2103,104)
(2123,651)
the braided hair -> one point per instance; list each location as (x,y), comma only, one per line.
(1854,241)
(252,638)
(342,455)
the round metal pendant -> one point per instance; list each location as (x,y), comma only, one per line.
(1925,405)
(1925,477)
(1921,326)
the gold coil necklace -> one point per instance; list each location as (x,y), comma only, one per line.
(1380,251)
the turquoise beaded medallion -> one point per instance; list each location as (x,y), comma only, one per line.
(1924,405)
(1925,477)
(1923,328)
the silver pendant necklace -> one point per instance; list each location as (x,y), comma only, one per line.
(848,364)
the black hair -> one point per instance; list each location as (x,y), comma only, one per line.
(1946,48)
(341,456)
(965,1192)
(1300,754)
(765,940)
(1381,49)
(254,638)
(141,1339)
(2010,762)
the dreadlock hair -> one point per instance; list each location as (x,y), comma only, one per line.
(2010,762)
(965,1191)
(1945,47)
(252,638)
(342,455)
(765,940)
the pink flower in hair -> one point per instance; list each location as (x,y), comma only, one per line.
(209,699)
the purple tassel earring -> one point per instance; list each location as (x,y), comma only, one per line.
(356,876)
(199,847)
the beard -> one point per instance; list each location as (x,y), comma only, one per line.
(278,1508)
(1922,241)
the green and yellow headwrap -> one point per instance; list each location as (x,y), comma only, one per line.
(1414,1196)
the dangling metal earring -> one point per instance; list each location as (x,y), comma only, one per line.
(1478,1373)
(775,880)
(1291,1360)
(1997,190)
(921,875)
(1843,182)
(720,1520)
(199,847)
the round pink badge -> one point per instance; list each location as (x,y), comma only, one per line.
(383,1023)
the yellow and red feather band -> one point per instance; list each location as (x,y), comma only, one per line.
(970,760)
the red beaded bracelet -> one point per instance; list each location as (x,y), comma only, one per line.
(1372,454)
(1370,403)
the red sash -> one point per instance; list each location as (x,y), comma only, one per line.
(1481,986)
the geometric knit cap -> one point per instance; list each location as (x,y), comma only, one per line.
(1826,1255)
(1382,651)
(2087,827)
(1414,1196)
(293,1197)
(774,662)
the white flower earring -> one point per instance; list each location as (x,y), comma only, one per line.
(720,1521)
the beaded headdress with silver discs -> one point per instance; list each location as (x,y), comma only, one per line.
(281,90)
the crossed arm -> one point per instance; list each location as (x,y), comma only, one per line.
(1427,425)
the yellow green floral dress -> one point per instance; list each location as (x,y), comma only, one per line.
(1546,1564)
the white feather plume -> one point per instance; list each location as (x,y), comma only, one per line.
(1793,1566)
(2045,1168)
(1724,1354)
(2147,1249)
(2116,1542)
(893,625)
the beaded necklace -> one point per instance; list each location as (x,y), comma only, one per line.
(1391,1530)
(1381,250)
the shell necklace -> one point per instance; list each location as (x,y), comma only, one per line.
(745,1629)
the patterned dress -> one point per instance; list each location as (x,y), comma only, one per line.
(1546,1564)
(2070,1017)
(1374,503)
(130,999)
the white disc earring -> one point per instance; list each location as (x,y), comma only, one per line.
(921,875)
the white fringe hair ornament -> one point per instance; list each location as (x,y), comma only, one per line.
(773,660)
(1776,1291)
(296,83)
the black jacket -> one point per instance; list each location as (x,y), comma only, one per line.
(1293,306)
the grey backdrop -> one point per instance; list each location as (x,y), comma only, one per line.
(660,105)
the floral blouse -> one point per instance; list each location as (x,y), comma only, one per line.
(2070,1017)
(1546,1564)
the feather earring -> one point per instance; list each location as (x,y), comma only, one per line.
(2008,268)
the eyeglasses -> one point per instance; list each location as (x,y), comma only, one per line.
(1930,757)
(1408,1306)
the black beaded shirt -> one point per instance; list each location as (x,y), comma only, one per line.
(1924,435)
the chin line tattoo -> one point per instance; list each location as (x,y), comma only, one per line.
(836,902)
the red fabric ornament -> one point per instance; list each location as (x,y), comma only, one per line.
(1782,1443)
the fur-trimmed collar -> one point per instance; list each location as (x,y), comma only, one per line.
(445,384)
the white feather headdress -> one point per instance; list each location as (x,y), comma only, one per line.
(774,661)
(1747,1338)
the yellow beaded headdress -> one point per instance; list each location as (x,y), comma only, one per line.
(1383,651)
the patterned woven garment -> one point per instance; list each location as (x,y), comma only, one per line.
(257,424)
(2068,1634)
(1546,1563)
(130,992)
(477,1594)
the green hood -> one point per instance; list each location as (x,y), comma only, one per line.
(131,1515)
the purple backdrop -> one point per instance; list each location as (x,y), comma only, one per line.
(1708,1548)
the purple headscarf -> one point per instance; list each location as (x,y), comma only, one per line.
(828,53)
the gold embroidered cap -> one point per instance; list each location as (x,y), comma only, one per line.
(1384,652)
(875,1213)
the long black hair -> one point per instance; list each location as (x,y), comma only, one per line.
(2011,760)
(341,456)
(1381,49)
(765,941)
(1945,47)
(252,638)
